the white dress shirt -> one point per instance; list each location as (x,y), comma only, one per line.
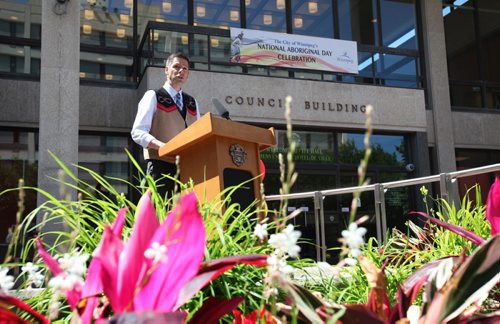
(145,112)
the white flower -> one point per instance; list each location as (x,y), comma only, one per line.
(35,277)
(260,231)
(268,292)
(279,264)
(350,261)
(65,282)
(157,252)
(286,242)
(29,267)
(413,314)
(74,264)
(6,281)
(356,253)
(354,239)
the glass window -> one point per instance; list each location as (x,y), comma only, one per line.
(105,67)
(18,160)
(461,44)
(311,17)
(167,42)
(470,158)
(199,48)
(106,156)
(104,26)
(465,95)
(397,69)
(493,97)
(358,21)
(217,13)
(365,68)
(386,149)
(489,28)
(398,24)
(265,15)
(21,19)
(19,59)
(307,75)
(171,11)
(311,147)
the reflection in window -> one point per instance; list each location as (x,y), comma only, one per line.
(105,67)
(103,26)
(465,95)
(19,59)
(106,156)
(311,147)
(312,17)
(386,149)
(18,160)
(493,97)
(358,21)
(398,24)
(217,13)
(489,27)
(15,16)
(460,44)
(397,69)
(265,15)
(166,43)
(170,11)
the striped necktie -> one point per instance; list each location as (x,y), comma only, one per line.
(178,100)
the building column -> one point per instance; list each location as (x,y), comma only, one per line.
(437,85)
(59,93)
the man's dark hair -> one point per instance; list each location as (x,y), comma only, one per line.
(172,56)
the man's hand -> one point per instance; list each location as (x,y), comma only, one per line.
(155,144)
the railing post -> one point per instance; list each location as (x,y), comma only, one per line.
(445,185)
(380,213)
(320,230)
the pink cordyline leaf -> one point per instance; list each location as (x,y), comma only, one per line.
(356,313)
(493,206)
(93,283)
(183,234)
(132,262)
(7,316)
(474,238)
(251,259)
(470,282)
(73,295)
(117,226)
(214,308)
(212,269)
(49,261)
(423,273)
(108,258)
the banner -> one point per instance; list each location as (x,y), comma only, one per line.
(295,51)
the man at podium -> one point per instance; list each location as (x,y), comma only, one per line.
(161,115)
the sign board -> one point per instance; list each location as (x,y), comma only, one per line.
(294,51)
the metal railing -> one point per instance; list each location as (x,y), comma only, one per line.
(446,181)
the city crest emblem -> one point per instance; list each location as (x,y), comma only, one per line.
(238,154)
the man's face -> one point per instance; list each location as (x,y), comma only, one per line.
(177,72)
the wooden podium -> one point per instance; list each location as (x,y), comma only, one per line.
(217,153)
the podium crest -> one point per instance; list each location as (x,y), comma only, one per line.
(238,154)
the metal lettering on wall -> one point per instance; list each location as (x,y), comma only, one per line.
(308,105)
(238,153)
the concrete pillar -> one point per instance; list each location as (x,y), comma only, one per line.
(59,92)
(437,86)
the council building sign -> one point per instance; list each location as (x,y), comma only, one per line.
(295,51)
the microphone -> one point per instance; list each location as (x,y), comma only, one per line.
(220,108)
